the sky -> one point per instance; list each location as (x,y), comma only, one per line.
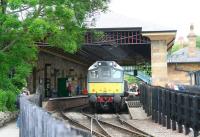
(153,15)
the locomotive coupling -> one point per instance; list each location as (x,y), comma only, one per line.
(117,99)
(93,99)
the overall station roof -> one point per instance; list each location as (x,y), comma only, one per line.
(126,46)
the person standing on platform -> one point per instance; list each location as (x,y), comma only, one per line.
(77,90)
(69,88)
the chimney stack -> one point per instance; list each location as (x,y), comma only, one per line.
(181,42)
(191,42)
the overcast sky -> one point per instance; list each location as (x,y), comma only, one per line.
(153,15)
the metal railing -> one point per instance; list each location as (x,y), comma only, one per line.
(171,108)
(140,75)
(146,78)
(36,122)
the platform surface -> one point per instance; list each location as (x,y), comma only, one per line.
(9,130)
(141,121)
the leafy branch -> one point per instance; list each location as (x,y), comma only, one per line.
(21,9)
(9,45)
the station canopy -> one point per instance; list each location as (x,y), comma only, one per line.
(123,45)
(127,46)
(116,40)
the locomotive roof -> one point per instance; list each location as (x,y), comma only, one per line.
(104,63)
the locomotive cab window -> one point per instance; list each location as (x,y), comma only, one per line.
(105,72)
(116,73)
(94,74)
(108,74)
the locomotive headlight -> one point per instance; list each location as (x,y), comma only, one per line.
(99,63)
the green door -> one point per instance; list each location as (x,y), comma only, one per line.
(62,89)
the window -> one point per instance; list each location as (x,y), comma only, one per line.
(116,73)
(94,74)
(106,72)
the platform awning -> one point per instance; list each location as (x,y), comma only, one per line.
(126,46)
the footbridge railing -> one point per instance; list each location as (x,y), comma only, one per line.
(172,109)
(140,75)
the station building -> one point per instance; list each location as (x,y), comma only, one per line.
(127,46)
(184,64)
(54,67)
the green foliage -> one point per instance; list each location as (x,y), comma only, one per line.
(145,68)
(3,100)
(61,23)
(198,41)
(176,47)
(131,79)
(10,104)
(98,35)
(7,101)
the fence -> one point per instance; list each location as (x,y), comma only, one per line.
(171,108)
(35,122)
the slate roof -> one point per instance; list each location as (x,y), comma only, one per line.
(116,20)
(182,56)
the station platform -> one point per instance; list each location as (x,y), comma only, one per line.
(142,122)
(9,130)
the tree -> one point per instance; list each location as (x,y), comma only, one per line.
(176,47)
(198,41)
(61,23)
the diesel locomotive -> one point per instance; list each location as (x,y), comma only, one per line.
(106,86)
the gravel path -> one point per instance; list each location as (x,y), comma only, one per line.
(9,130)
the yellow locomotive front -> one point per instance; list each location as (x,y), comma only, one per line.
(106,84)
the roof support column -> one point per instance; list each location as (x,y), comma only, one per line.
(159,62)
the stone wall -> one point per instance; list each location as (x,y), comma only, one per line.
(6,117)
(58,68)
(64,103)
(159,62)
(178,75)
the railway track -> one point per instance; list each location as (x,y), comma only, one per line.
(80,125)
(94,125)
(125,123)
(102,128)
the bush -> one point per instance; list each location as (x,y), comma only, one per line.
(11,101)
(7,101)
(3,100)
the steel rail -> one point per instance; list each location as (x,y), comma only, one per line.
(125,123)
(138,134)
(81,125)
(122,129)
(102,128)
